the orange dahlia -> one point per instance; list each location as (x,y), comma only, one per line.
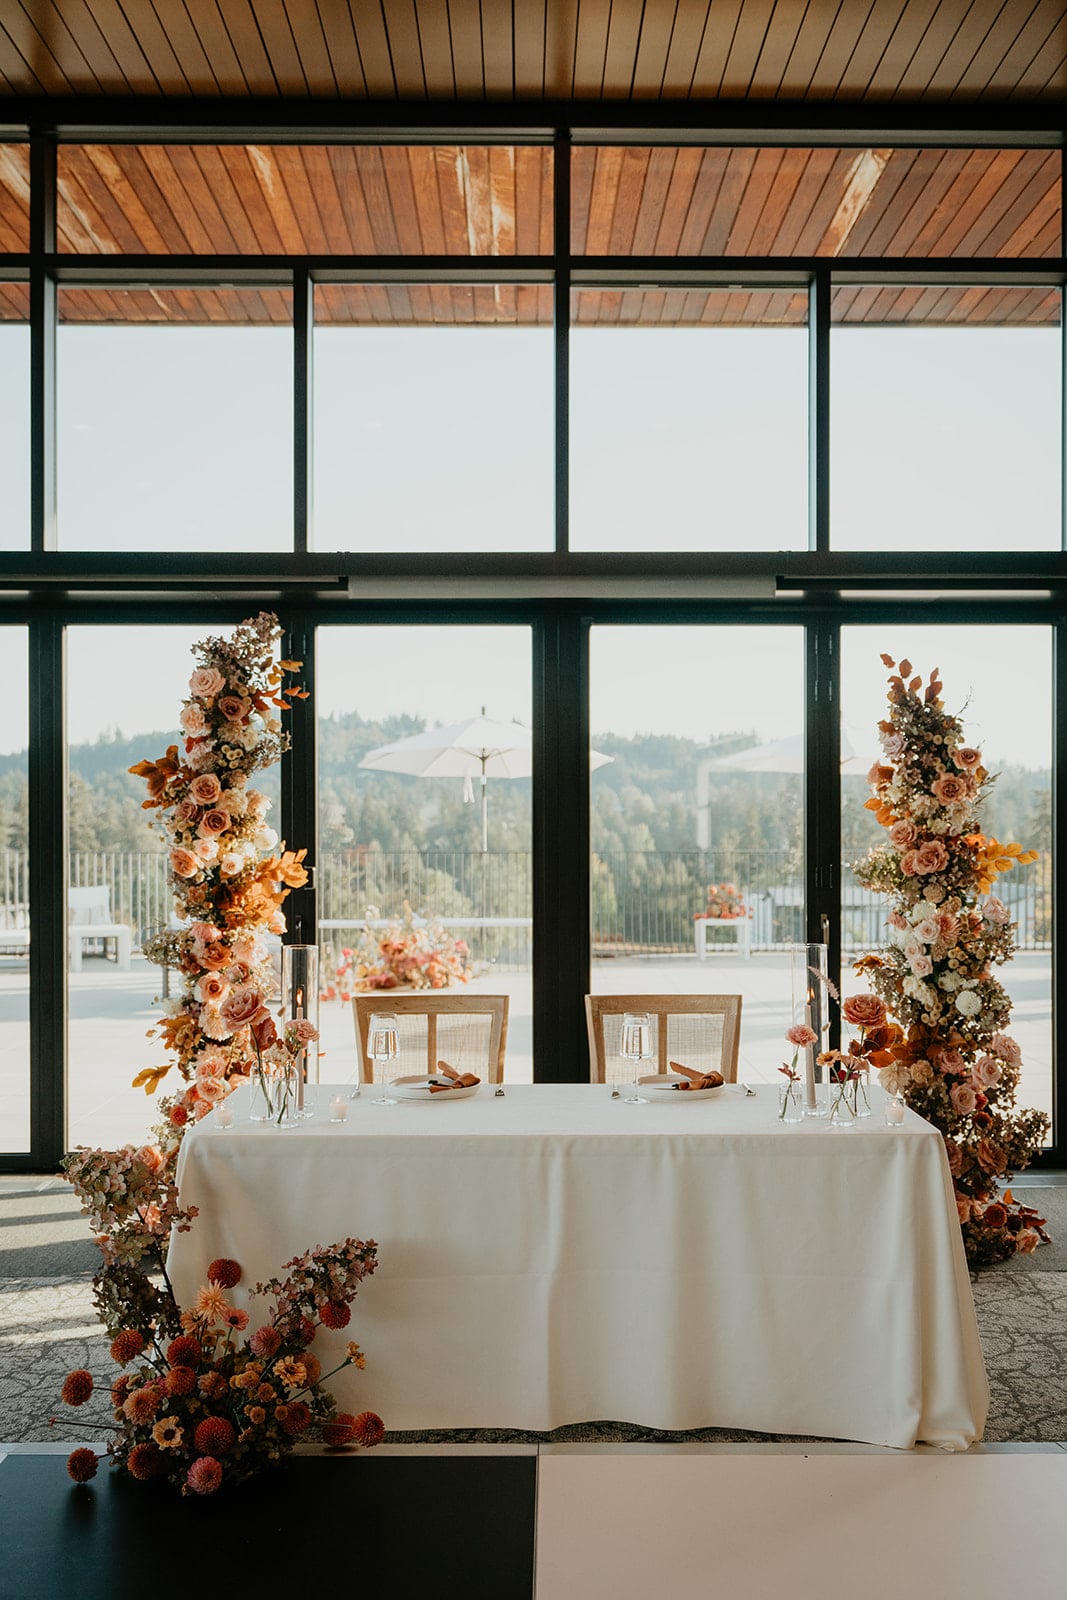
(184,1351)
(125,1346)
(335,1314)
(297,1418)
(214,1436)
(77,1387)
(82,1464)
(341,1429)
(180,1380)
(370,1429)
(144,1461)
(224,1272)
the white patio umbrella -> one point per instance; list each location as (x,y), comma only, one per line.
(479,748)
(786,755)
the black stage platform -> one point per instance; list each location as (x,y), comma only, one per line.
(392,1526)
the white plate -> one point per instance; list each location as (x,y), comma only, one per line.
(661,1087)
(419,1089)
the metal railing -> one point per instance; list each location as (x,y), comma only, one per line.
(643,902)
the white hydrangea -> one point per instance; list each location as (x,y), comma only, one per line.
(968,1003)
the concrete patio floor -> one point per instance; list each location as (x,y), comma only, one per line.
(111,1011)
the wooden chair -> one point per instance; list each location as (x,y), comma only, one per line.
(701,1031)
(469,1031)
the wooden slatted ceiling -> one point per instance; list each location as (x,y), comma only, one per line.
(454,50)
(496,201)
(14,302)
(309,199)
(14,197)
(629,200)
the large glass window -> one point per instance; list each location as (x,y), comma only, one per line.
(14,900)
(699,810)
(679,398)
(433,417)
(999,679)
(411,841)
(175,418)
(14,416)
(343,199)
(946,423)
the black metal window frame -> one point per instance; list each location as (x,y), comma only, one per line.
(560,595)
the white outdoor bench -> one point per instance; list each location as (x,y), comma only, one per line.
(740,927)
(90,912)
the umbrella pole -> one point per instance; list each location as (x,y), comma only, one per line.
(485,812)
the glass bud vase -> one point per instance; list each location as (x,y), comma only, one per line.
(300,1002)
(790,1101)
(273,1096)
(843,1100)
(809,972)
(863,1092)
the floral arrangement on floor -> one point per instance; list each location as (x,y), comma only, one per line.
(195,1404)
(954,1063)
(228,872)
(724,900)
(407,952)
(198,1406)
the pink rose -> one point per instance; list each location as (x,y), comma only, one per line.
(212,956)
(896,919)
(1026,1242)
(211,1091)
(909,863)
(986,1072)
(184,864)
(864,1010)
(230,864)
(991,1157)
(211,987)
(243,1007)
(931,856)
(921,965)
(902,834)
(213,823)
(967,758)
(963,1208)
(996,912)
(246,948)
(232,707)
(950,1061)
(963,1099)
(186,811)
(929,930)
(205,789)
(1007,1050)
(193,721)
(206,932)
(150,1156)
(205,849)
(893,743)
(800,1035)
(206,682)
(955,1157)
(950,789)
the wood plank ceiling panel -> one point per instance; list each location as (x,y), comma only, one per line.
(653,47)
(124,45)
(14,197)
(237,19)
(691,19)
(620,49)
(14,302)
(404,27)
(276,31)
(349,199)
(710,64)
(823,50)
(498,49)
(204,50)
(589,49)
(946,20)
(746,47)
(36,61)
(780,42)
(340,37)
(84,30)
(530,25)
(865,57)
(466,32)
(312,51)
(1017,67)
(979,26)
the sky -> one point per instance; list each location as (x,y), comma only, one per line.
(694,682)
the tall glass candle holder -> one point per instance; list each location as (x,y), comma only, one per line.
(809,967)
(300,1001)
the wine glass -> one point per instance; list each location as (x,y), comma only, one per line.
(383,1049)
(635,1046)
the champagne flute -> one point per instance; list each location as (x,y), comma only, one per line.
(383,1049)
(635,1046)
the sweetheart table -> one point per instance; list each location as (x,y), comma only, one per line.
(555,1256)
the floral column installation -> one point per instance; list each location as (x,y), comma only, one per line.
(228,872)
(955,1063)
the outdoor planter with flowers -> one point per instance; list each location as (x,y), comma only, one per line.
(725,902)
(408,952)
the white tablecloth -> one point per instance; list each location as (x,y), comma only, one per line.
(556,1256)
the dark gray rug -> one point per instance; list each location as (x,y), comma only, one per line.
(48,1326)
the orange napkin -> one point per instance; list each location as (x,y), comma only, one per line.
(465,1081)
(696,1080)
